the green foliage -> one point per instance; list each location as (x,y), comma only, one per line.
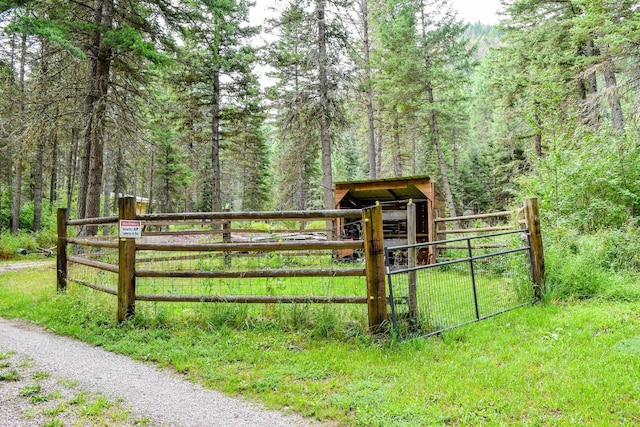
(588,182)
(517,366)
(128,39)
(9,243)
(48,220)
(54,31)
(594,265)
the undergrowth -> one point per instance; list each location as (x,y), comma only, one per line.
(573,359)
(603,265)
(9,243)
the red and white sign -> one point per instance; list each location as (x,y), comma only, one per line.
(130,229)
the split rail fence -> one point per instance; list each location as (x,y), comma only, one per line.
(226,257)
(234,257)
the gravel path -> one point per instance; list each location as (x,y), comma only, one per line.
(158,395)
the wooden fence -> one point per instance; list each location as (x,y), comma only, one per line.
(132,264)
(131,261)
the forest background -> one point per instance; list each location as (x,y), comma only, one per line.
(189,105)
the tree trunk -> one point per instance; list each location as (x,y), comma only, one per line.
(537,139)
(367,75)
(216,197)
(106,192)
(118,180)
(302,205)
(17,195)
(397,156)
(325,131)
(151,180)
(379,157)
(617,118)
(90,180)
(72,167)
(588,88)
(15,208)
(38,192)
(448,194)
(53,186)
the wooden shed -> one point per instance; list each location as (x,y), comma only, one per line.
(393,194)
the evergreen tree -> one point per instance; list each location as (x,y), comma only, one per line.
(216,51)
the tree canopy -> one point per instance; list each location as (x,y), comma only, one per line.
(194,106)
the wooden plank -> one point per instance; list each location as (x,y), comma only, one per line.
(394,242)
(252,299)
(253,247)
(215,274)
(94,243)
(394,215)
(203,222)
(94,286)
(126,264)
(95,264)
(479,216)
(246,216)
(412,262)
(375,268)
(475,230)
(532,216)
(339,194)
(94,221)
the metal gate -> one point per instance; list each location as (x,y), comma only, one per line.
(474,278)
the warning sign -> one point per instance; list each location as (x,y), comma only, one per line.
(130,229)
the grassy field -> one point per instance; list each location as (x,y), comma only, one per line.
(548,364)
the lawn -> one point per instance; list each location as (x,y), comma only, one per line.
(554,363)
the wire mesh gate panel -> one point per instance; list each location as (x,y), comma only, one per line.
(475,278)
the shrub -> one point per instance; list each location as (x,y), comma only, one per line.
(584,266)
(9,243)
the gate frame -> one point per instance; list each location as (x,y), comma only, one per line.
(531,213)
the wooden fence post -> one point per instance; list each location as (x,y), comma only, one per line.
(412,261)
(374,268)
(61,258)
(532,217)
(126,263)
(226,238)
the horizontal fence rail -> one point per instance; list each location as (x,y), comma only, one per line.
(198,257)
(291,257)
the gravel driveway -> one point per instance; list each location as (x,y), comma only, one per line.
(158,397)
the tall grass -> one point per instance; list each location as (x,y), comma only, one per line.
(554,363)
(9,243)
(601,265)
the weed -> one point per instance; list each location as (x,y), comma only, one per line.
(39,375)
(35,399)
(67,383)
(30,390)
(57,410)
(11,375)
(5,355)
(96,406)
(54,422)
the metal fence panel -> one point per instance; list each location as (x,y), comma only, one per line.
(476,278)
